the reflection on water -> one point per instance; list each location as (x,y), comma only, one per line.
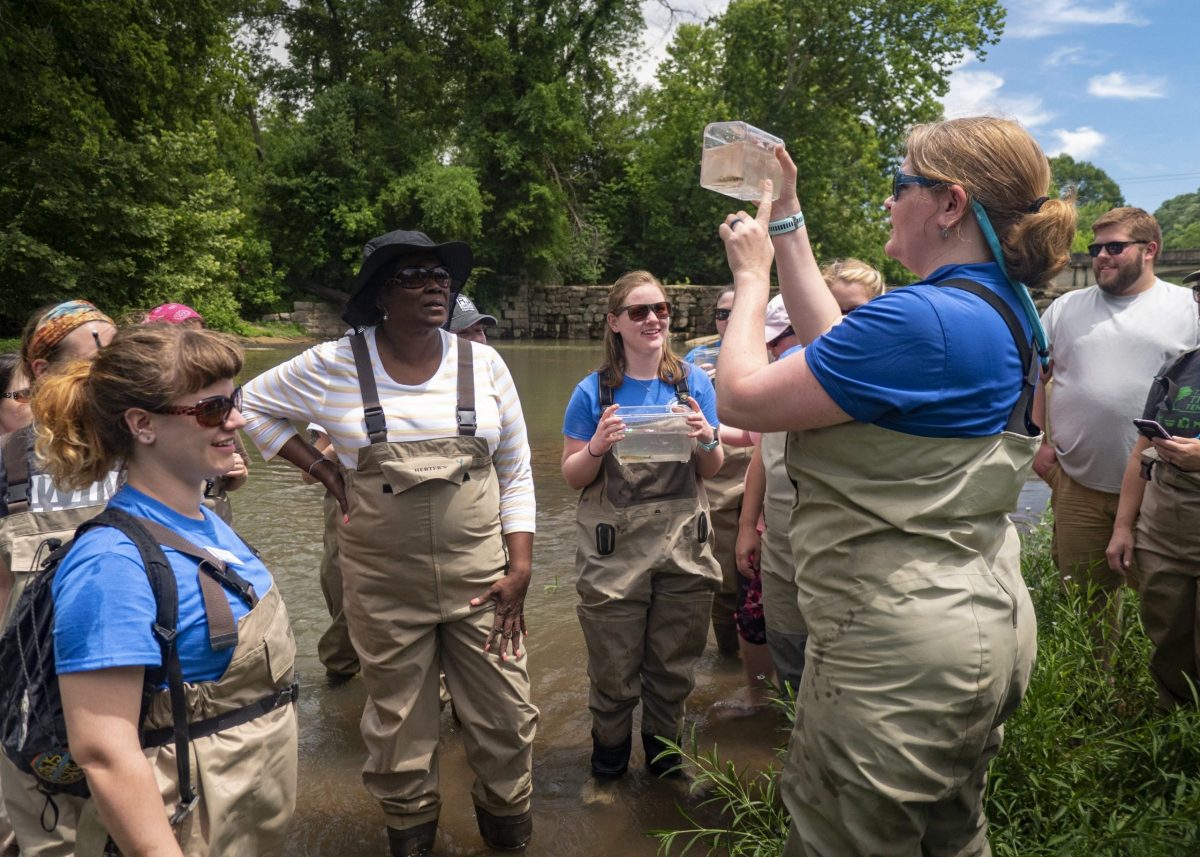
(282,518)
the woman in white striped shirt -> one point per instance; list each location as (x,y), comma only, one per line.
(433,475)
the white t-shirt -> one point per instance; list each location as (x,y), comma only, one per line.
(1106,351)
(321,386)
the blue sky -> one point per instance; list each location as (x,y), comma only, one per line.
(1107,81)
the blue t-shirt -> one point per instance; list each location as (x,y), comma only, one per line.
(583,411)
(927,361)
(103,606)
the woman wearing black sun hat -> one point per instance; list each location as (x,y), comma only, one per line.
(433,477)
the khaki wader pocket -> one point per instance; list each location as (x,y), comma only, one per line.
(401,476)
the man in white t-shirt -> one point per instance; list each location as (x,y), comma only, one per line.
(1106,343)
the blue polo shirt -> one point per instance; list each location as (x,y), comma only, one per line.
(925,360)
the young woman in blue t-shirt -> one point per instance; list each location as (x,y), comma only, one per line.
(161,400)
(646,570)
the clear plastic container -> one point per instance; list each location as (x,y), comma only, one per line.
(736,159)
(654,433)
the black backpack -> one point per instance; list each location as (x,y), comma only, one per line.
(32,729)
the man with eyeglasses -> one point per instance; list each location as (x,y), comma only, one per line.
(1105,341)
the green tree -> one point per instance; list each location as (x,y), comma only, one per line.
(839,81)
(1179,218)
(1091,184)
(112,183)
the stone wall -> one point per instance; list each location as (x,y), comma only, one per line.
(578,312)
(540,312)
(319,319)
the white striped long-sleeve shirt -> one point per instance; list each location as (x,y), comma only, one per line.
(321,386)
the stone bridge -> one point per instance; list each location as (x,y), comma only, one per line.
(1170,264)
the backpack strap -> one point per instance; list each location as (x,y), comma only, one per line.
(166,630)
(465,415)
(213,574)
(1020,419)
(15,450)
(372,410)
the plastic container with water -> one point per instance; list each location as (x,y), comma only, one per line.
(654,433)
(736,159)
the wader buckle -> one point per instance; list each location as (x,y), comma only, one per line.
(1148,470)
(466,418)
(184,810)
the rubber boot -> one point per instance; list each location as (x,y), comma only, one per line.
(610,761)
(504,832)
(414,841)
(665,766)
(726,635)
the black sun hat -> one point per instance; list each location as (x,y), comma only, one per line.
(379,257)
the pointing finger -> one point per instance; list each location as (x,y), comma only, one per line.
(764,204)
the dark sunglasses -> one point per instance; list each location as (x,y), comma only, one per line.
(1195,295)
(210,412)
(721,314)
(416,278)
(787,331)
(1112,248)
(640,312)
(900,179)
(21,397)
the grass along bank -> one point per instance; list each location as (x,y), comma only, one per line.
(1090,765)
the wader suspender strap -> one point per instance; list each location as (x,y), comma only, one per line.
(213,574)
(16,469)
(465,415)
(376,425)
(372,410)
(1020,420)
(606,392)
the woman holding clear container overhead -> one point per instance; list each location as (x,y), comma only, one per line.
(921,632)
(646,570)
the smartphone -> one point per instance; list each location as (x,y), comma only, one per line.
(1152,429)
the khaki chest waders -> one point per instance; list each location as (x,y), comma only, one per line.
(424,538)
(646,579)
(921,632)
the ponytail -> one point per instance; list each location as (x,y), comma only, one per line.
(73,449)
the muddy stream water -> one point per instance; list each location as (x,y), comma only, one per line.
(572,815)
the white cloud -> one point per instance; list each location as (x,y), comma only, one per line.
(1074,55)
(1131,87)
(661,20)
(976,93)
(1080,144)
(1034,18)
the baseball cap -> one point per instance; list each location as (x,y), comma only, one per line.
(467,314)
(777,318)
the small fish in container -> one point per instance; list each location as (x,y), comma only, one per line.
(736,159)
(654,433)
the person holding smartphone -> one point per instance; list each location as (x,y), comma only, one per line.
(1158,523)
